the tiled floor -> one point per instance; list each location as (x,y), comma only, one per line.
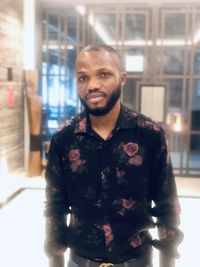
(22,230)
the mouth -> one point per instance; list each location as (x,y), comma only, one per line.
(95,97)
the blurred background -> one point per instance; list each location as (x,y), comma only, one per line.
(39,39)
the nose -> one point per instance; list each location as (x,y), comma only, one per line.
(93,84)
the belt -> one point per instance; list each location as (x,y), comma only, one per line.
(82,262)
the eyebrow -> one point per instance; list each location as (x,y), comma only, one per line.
(80,72)
(98,70)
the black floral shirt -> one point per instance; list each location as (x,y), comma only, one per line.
(113,189)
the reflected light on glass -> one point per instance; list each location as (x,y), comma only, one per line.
(81,9)
(56,47)
(196,37)
(62,95)
(54,93)
(53,124)
(134,43)
(134,63)
(174,120)
(102,33)
(178,123)
(44,90)
(169,42)
(99,29)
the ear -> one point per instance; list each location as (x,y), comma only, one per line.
(123,78)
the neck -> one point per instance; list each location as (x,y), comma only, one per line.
(103,125)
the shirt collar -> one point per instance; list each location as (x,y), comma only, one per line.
(127,120)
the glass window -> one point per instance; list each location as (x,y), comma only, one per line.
(63,35)
(195,120)
(174,26)
(197,61)
(44,26)
(81,32)
(175,93)
(196,39)
(44,90)
(71,27)
(44,62)
(194,156)
(71,57)
(53,61)
(104,28)
(178,142)
(63,62)
(135,25)
(129,94)
(173,61)
(53,27)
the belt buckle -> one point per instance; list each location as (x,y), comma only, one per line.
(108,264)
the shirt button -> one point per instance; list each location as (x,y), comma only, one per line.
(109,249)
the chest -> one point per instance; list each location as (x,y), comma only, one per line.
(122,163)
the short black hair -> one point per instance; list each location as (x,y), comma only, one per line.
(111,50)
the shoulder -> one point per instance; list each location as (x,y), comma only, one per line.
(150,130)
(140,120)
(148,124)
(68,128)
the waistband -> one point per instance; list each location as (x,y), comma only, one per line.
(82,262)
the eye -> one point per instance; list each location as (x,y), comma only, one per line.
(104,75)
(82,78)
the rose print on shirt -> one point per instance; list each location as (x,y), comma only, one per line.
(82,125)
(122,205)
(136,241)
(137,160)
(120,173)
(132,153)
(74,155)
(74,158)
(130,148)
(164,233)
(121,180)
(127,203)
(67,123)
(108,233)
(151,125)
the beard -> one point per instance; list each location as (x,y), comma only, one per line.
(101,111)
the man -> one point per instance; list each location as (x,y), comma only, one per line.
(106,168)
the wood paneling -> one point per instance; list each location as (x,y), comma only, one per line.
(11,84)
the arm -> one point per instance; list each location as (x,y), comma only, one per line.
(56,261)
(167,208)
(56,208)
(165,260)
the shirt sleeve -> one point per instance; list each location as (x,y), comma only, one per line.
(167,207)
(57,204)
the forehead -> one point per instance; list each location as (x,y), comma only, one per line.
(97,59)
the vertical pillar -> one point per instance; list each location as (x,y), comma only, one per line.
(33,101)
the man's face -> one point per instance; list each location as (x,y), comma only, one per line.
(99,81)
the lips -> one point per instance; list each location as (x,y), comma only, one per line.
(95,95)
